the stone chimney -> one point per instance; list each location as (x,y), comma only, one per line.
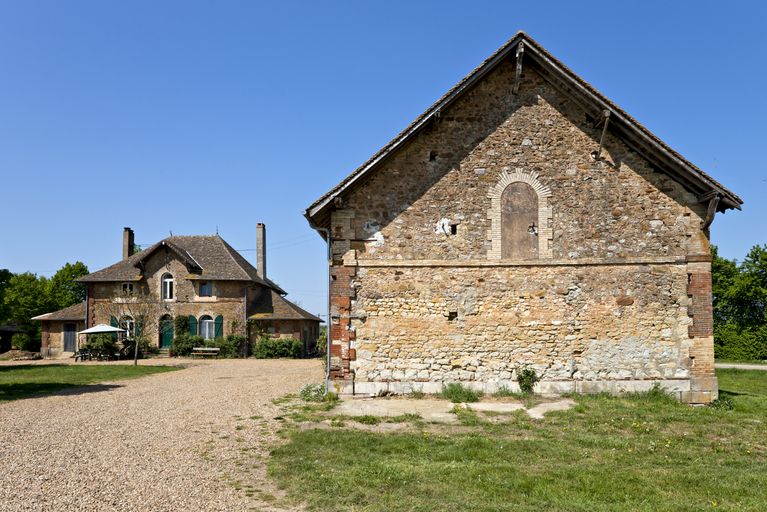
(261,249)
(128,244)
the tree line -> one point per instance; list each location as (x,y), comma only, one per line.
(740,305)
(25,295)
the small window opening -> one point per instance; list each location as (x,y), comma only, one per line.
(532,229)
(206,289)
(452,316)
(127,288)
(453,229)
(432,156)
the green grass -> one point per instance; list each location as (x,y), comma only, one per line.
(25,381)
(636,453)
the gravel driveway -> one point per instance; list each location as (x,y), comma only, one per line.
(195,440)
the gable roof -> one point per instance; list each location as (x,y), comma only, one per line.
(272,306)
(566,81)
(206,258)
(76,312)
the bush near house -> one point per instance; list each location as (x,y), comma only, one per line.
(25,342)
(184,343)
(272,348)
(230,346)
(103,343)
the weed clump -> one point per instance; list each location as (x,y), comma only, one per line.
(527,379)
(458,393)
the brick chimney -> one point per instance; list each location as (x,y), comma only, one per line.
(128,244)
(261,249)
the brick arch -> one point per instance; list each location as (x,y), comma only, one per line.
(545,232)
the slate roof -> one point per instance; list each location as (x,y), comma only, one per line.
(206,258)
(272,306)
(76,312)
(630,130)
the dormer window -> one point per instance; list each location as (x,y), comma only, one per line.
(206,289)
(167,287)
(127,288)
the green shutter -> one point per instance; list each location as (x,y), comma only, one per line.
(138,327)
(219,324)
(192,325)
(113,321)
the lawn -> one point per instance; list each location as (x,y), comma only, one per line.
(26,381)
(641,453)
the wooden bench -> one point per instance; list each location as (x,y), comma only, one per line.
(205,351)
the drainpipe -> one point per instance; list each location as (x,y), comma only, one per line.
(328,321)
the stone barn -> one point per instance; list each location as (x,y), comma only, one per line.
(523,220)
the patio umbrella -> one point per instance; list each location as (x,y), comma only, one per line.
(100,328)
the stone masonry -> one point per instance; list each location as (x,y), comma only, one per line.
(618,298)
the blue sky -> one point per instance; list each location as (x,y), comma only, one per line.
(189,116)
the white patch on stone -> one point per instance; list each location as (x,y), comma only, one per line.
(442,227)
(479,171)
(656,224)
(527,142)
(572,171)
(378,239)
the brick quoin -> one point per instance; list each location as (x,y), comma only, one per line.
(699,291)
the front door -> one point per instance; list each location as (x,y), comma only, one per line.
(166,332)
(70,335)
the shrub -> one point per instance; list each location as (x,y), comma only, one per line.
(740,343)
(183,345)
(527,378)
(181,324)
(101,343)
(144,348)
(230,346)
(272,348)
(25,342)
(312,392)
(723,402)
(458,393)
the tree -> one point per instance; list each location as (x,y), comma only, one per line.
(740,302)
(5,277)
(143,307)
(26,296)
(64,291)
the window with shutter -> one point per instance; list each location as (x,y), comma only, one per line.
(219,326)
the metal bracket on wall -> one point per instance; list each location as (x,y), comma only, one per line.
(605,119)
(713,199)
(518,73)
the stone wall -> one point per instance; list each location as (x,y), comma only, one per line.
(52,335)
(421,296)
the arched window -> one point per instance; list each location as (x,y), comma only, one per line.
(167,287)
(519,222)
(127,323)
(207,327)
(520,217)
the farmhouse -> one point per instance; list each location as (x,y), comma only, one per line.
(201,278)
(523,220)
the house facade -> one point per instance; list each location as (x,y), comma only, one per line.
(523,220)
(201,278)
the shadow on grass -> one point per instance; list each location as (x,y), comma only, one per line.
(18,391)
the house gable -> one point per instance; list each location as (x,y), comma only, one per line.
(526,54)
(619,207)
